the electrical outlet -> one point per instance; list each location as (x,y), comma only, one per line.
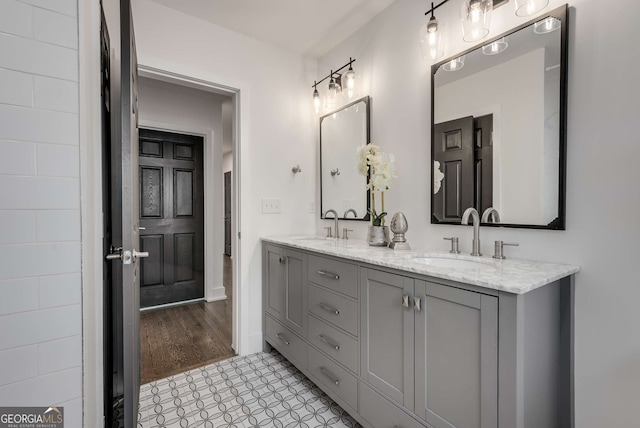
(270,206)
(312,207)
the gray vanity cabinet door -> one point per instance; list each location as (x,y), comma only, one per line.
(274,262)
(387,334)
(456,339)
(295,292)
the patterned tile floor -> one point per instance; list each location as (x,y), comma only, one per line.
(260,390)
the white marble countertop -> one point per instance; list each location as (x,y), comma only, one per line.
(510,275)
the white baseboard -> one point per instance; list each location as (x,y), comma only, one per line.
(216,294)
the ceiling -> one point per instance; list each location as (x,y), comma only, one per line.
(307,27)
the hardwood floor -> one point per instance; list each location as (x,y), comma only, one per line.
(180,338)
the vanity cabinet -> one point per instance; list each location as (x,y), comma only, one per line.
(286,291)
(424,343)
(456,355)
(397,348)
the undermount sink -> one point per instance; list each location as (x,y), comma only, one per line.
(314,239)
(446,262)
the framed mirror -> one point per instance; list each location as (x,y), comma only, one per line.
(499,128)
(342,188)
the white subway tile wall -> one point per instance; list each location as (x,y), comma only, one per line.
(40,282)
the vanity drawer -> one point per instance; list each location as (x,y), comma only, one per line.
(283,339)
(339,276)
(334,377)
(380,412)
(331,307)
(342,347)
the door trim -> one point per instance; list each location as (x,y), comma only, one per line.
(240,312)
(213,285)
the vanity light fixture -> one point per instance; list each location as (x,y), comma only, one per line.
(338,83)
(546,25)
(454,65)
(431,38)
(529,7)
(495,47)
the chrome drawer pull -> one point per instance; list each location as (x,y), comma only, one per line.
(329,342)
(329,308)
(284,339)
(329,275)
(330,376)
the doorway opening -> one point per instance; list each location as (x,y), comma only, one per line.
(188,305)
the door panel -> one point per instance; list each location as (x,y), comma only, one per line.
(387,338)
(126,207)
(295,292)
(274,269)
(172,200)
(454,150)
(456,356)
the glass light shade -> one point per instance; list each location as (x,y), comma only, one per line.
(529,7)
(431,40)
(546,25)
(330,99)
(475,18)
(454,65)
(316,101)
(496,47)
(349,83)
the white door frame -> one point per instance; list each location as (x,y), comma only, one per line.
(234,93)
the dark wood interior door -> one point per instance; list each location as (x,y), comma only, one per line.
(227,213)
(454,148)
(483,128)
(172,217)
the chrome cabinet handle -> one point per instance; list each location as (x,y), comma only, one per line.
(329,308)
(281,260)
(416,304)
(405,300)
(284,339)
(329,342)
(329,275)
(330,376)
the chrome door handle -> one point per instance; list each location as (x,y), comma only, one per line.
(329,275)
(330,376)
(416,304)
(282,338)
(115,253)
(405,300)
(329,342)
(139,254)
(329,308)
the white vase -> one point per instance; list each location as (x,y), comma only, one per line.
(378,236)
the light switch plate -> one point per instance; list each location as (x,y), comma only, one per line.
(270,206)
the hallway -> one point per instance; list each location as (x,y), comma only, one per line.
(181,338)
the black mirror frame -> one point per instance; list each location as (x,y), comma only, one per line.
(366,99)
(559,223)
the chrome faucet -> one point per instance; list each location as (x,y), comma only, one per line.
(488,214)
(335,216)
(350,210)
(471,212)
